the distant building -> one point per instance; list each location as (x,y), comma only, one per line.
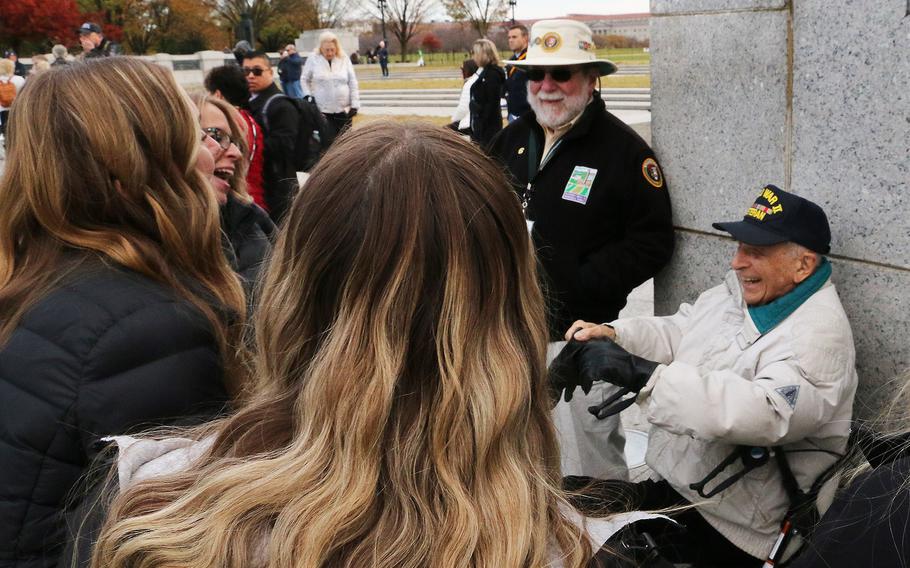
(635,26)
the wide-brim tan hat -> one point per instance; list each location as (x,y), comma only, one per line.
(554,43)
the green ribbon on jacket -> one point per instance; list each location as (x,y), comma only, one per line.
(767,317)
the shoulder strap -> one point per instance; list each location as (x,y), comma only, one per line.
(532,155)
(265,109)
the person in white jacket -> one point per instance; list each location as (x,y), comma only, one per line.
(759,372)
(461,118)
(328,77)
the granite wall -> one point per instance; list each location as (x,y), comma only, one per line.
(811,95)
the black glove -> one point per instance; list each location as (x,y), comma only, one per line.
(564,375)
(352,113)
(309,99)
(605,360)
(579,364)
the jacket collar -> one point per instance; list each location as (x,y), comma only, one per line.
(751,329)
(768,316)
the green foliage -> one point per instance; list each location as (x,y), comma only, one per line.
(275,36)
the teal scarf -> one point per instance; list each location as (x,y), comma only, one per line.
(768,316)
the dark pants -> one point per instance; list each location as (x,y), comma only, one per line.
(699,544)
(385,67)
(4,116)
(339,122)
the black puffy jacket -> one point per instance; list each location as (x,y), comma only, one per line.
(107,352)
(248,233)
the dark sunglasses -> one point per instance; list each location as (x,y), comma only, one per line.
(223,138)
(256,71)
(558,74)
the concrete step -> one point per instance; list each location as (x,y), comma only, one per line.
(442,98)
(374,74)
(456,92)
(390,103)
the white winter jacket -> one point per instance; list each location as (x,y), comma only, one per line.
(333,86)
(722,384)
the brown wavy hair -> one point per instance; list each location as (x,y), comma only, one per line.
(101,166)
(400,415)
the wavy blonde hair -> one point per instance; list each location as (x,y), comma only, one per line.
(400,415)
(101,165)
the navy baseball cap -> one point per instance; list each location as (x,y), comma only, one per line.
(778,216)
(89,27)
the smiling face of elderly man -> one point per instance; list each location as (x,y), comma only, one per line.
(781,240)
(768,272)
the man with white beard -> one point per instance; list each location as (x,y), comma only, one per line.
(591,186)
(597,204)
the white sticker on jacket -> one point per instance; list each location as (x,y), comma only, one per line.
(578,189)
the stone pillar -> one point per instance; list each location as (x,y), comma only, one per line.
(208,60)
(308,40)
(165,60)
(811,95)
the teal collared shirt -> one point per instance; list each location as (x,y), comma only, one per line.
(767,317)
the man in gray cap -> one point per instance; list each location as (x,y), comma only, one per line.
(749,391)
(94,44)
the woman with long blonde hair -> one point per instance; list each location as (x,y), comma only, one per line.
(118,309)
(486,92)
(400,414)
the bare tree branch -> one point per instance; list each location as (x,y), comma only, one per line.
(480,13)
(404,18)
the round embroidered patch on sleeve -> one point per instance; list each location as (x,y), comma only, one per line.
(652,173)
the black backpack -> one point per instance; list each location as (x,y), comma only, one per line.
(314,135)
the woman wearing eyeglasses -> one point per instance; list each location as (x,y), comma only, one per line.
(118,310)
(248,228)
(486,92)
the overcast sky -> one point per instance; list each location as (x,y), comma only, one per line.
(528,9)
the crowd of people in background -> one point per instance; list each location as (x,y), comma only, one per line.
(237,331)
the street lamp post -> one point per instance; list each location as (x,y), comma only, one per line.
(382,4)
(512,5)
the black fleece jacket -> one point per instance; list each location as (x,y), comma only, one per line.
(596,244)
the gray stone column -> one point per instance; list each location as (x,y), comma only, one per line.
(811,95)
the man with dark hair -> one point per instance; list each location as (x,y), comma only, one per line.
(94,44)
(279,119)
(516,86)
